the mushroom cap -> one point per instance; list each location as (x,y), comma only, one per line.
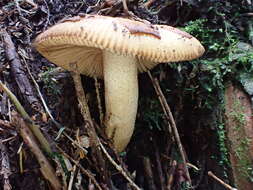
(82,39)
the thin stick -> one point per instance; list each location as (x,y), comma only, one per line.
(81,96)
(6,124)
(220,181)
(72,175)
(34,128)
(148,172)
(148,3)
(96,152)
(119,167)
(172,121)
(101,115)
(45,166)
(92,132)
(125,8)
(41,97)
(5,166)
(58,125)
(86,172)
(171,174)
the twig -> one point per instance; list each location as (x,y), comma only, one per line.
(58,125)
(220,181)
(118,167)
(125,8)
(96,152)
(247,14)
(86,172)
(148,3)
(31,2)
(72,177)
(101,115)
(159,168)
(20,154)
(18,7)
(8,139)
(149,174)
(81,96)
(6,124)
(45,167)
(193,166)
(172,121)
(52,72)
(5,167)
(41,97)
(48,15)
(171,174)
(35,129)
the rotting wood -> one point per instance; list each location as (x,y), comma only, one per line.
(18,72)
(239,130)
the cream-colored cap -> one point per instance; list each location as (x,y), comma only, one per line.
(81,40)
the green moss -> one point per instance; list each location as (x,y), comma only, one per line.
(51,85)
(242,143)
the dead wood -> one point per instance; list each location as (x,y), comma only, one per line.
(19,72)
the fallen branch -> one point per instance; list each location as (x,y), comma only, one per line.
(170,118)
(18,72)
(45,166)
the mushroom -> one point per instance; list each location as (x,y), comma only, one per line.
(115,49)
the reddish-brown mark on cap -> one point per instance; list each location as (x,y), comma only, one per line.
(142,28)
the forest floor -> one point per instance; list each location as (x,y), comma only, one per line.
(152,160)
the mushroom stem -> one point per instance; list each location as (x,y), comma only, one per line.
(121,97)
